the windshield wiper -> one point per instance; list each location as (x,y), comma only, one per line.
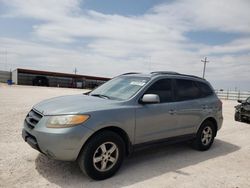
(101,96)
(87,93)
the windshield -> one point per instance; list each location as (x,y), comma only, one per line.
(120,88)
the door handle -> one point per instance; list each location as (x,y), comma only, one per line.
(172,112)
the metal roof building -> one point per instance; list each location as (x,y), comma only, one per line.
(55,79)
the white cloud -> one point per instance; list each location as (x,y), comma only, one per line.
(49,10)
(116,43)
(238,45)
(38,56)
(223,15)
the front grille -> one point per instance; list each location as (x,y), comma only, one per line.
(32,119)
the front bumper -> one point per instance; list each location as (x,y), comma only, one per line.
(30,140)
(61,144)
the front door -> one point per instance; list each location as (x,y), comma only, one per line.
(156,121)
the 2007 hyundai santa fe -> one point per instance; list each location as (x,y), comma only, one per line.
(100,128)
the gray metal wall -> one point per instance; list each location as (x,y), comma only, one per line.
(4,76)
(54,81)
(26,79)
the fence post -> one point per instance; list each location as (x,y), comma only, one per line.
(239,95)
(227,94)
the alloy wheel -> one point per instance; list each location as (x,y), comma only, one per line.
(105,156)
(206,136)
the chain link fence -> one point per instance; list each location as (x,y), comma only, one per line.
(232,95)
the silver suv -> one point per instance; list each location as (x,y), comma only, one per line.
(132,110)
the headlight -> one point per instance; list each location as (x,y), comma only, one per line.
(66,121)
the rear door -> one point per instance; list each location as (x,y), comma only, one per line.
(188,107)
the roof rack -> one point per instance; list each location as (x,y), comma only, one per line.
(174,73)
(164,72)
(130,73)
(193,76)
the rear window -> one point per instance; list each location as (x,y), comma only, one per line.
(204,89)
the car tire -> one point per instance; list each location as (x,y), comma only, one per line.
(237,116)
(102,155)
(205,136)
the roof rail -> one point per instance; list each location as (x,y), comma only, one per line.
(130,73)
(174,73)
(164,72)
(193,76)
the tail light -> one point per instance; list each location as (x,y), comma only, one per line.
(220,104)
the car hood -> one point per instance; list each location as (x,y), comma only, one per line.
(73,104)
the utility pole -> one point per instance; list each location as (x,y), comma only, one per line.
(149,63)
(205,61)
(6,64)
(74,80)
(75,70)
(3,59)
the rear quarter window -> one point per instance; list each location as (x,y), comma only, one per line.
(186,90)
(205,89)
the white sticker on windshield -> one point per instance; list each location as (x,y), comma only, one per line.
(138,83)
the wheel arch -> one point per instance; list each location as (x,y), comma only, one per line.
(117,130)
(211,119)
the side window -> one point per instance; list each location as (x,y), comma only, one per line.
(205,89)
(163,88)
(186,90)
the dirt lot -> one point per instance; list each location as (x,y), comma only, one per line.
(226,164)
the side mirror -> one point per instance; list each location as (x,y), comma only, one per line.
(239,101)
(150,99)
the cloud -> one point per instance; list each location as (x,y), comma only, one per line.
(39,56)
(223,15)
(49,10)
(107,45)
(238,45)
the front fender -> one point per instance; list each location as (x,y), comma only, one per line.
(122,118)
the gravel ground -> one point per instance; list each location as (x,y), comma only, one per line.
(226,164)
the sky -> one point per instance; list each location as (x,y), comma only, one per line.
(111,37)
